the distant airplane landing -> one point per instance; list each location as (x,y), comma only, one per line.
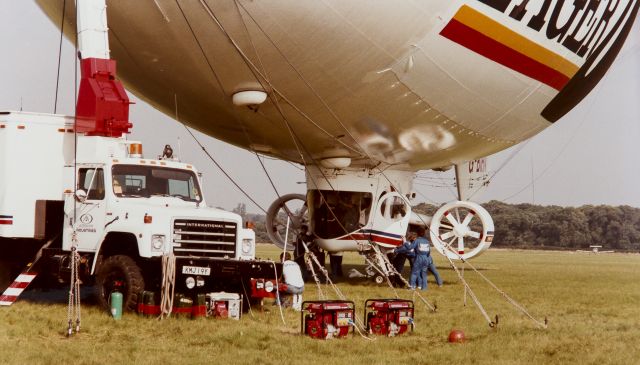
(595,249)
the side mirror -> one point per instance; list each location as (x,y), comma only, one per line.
(80,195)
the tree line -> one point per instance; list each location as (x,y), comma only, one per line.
(536,226)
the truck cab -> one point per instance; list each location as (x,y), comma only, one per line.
(157,202)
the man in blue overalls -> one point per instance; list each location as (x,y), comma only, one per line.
(420,262)
(430,265)
(402,253)
(423,262)
(422,250)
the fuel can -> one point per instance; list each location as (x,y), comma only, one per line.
(116,305)
(149,307)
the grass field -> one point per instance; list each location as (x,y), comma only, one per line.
(591,301)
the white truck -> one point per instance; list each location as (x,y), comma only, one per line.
(123,212)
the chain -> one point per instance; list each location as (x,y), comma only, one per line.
(307,261)
(71,294)
(76,265)
(73,307)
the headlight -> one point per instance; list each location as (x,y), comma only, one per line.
(157,242)
(247,243)
(268,286)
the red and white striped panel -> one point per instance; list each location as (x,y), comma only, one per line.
(14,290)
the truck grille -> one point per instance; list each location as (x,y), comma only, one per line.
(196,238)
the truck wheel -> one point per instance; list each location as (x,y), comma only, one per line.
(119,273)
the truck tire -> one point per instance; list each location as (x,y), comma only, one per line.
(119,273)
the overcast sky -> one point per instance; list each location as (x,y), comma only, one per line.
(591,156)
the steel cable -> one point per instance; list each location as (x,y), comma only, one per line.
(55,103)
(295,138)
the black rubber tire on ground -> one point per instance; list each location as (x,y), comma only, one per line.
(119,273)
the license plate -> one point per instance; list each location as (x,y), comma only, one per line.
(196,270)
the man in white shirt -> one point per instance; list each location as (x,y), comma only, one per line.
(292,277)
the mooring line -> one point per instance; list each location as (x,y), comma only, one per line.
(543,324)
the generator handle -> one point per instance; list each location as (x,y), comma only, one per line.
(302,306)
(364,314)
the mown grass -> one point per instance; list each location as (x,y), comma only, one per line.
(591,302)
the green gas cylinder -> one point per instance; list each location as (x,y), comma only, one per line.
(116,305)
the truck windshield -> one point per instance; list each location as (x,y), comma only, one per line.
(136,181)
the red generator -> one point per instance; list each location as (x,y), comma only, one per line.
(326,319)
(224,305)
(263,288)
(388,317)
